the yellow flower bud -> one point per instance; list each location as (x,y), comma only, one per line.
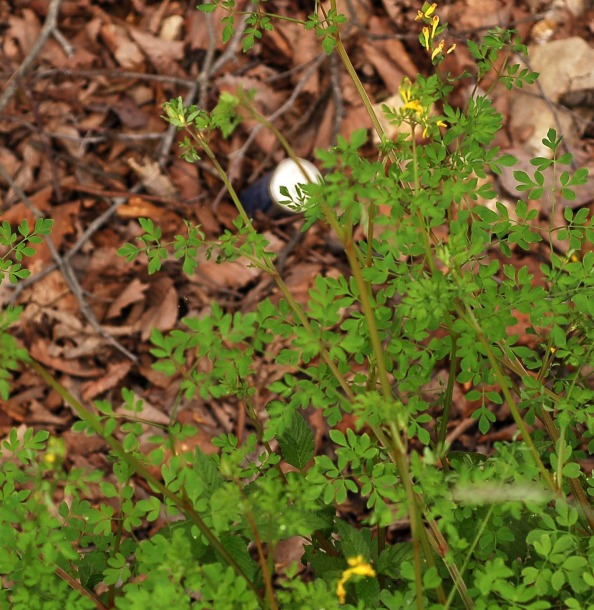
(438,49)
(359,567)
(434,24)
(425,38)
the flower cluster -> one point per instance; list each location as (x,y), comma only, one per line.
(359,567)
(431,31)
(421,113)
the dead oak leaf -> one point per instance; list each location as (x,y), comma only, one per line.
(113,375)
(163,54)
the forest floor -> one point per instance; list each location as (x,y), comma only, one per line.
(83,139)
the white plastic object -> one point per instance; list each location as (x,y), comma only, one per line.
(288,174)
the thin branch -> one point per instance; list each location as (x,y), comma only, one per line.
(237,156)
(124,74)
(61,40)
(67,271)
(49,27)
(78,587)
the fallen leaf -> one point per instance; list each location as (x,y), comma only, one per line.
(132,293)
(152,178)
(111,377)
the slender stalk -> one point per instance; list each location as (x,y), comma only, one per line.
(346,60)
(155,485)
(448,398)
(513,407)
(441,548)
(262,561)
(545,417)
(206,148)
(78,587)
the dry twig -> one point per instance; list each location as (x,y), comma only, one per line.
(49,27)
(67,271)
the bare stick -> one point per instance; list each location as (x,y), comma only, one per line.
(46,31)
(125,74)
(61,40)
(67,271)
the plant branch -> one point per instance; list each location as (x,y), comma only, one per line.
(155,485)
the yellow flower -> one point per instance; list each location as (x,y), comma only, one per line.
(50,458)
(359,567)
(415,106)
(404,89)
(438,49)
(434,24)
(426,14)
(450,49)
(441,124)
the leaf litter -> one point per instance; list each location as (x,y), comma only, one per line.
(83,139)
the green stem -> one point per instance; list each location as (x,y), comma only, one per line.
(206,148)
(155,485)
(448,397)
(346,60)
(545,417)
(262,561)
(513,407)
(277,134)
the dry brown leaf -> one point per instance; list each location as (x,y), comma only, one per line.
(10,162)
(385,67)
(323,134)
(129,113)
(301,278)
(355,116)
(288,551)
(148,412)
(393,48)
(564,66)
(482,13)
(39,415)
(45,293)
(235,274)
(267,99)
(164,54)
(184,177)
(132,293)
(40,351)
(125,51)
(152,178)
(115,373)
(24,30)
(197,28)
(163,307)
(171,28)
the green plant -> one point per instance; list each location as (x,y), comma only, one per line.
(507,530)
(17,245)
